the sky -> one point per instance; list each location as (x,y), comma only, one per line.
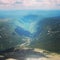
(29,4)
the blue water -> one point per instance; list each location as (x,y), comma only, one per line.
(19,13)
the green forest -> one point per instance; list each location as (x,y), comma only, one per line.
(48,37)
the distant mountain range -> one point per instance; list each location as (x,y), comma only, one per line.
(42,26)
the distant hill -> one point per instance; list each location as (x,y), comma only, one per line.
(49,34)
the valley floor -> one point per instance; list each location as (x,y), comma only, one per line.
(29,54)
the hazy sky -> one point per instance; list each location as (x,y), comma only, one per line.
(29,4)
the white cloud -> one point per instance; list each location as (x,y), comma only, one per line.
(7,1)
(30,4)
